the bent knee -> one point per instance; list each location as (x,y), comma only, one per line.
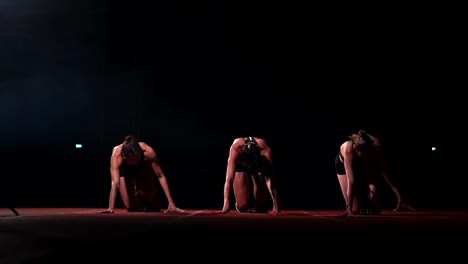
(242,207)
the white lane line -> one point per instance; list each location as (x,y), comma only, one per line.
(186,216)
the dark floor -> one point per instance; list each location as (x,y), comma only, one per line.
(78,235)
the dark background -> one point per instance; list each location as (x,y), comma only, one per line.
(189,77)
